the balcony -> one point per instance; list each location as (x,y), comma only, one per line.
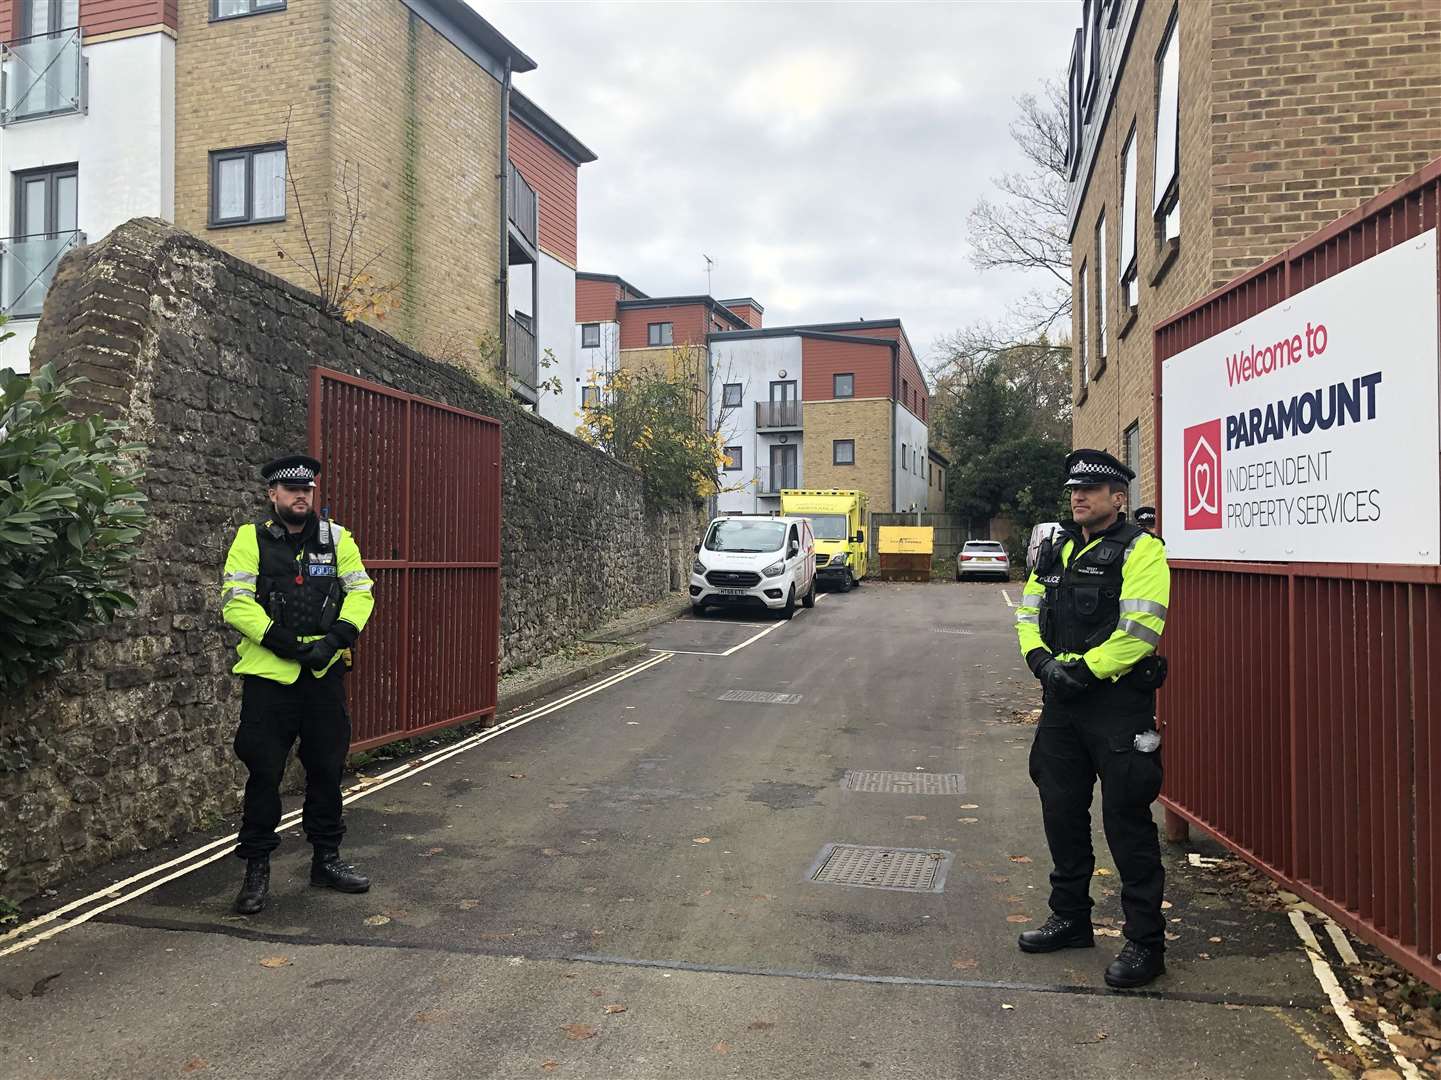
(521,362)
(43,76)
(769,482)
(27,266)
(778,415)
(523,209)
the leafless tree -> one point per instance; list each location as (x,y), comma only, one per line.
(1024,226)
(1039,369)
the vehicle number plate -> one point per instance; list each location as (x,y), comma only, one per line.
(732,592)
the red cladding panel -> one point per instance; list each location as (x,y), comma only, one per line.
(910,370)
(749,312)
(821,360)
(689,323)
(109,16)
(553,176)
(595,300)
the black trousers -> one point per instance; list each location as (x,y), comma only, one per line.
(272,717)
(1076,743)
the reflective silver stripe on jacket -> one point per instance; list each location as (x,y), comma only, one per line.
(1147,607)
(1028,617)
(235,594)
(240,576)
(1140,632)
(356,581)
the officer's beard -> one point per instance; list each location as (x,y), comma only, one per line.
(292,517)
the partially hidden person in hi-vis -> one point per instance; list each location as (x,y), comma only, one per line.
(1145,516)
(1089,622)
(296,589)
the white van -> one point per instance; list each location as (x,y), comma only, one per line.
(1039,535)
(756,562)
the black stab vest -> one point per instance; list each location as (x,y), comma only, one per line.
(309,606)
(1083,600)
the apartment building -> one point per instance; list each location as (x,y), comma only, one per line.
(936,482)
(1205,138)
(87,137)
(542,297)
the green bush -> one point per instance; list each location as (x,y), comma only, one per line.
(70,515)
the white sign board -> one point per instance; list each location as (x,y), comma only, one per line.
(1308,433)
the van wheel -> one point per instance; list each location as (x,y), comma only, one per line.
(809,599)
(790,608)
(847,582)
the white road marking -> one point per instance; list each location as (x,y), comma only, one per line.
(1340,1003)
(748,641)
(1408,1070)
(356,791)
(1007,598)
(1341,941)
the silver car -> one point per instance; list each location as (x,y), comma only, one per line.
(983,558)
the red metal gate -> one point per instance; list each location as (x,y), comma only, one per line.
(1303,721)
(418,485)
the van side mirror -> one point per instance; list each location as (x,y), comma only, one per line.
(795,549)
(860,538)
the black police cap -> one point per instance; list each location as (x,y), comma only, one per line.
(1145,515)
(1085,467)
(297,470)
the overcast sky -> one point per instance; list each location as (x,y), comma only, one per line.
(825,155)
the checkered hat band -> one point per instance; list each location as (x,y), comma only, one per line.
(1095,468)
(295,472)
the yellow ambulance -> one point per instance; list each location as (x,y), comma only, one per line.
(841,522)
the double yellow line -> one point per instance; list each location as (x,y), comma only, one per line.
(41,929)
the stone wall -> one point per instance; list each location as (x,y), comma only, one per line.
(207,359)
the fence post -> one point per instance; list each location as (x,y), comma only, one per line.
(1177,829)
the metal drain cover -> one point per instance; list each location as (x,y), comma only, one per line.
(760,697)
(904,783)
(898,869)
(951,630)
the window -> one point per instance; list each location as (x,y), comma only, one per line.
(733,459)
(46,201)
(247,186)
(590,335)
(660,333)
(1133,462)
(905,393)
(843,385)
(1101,275)
(1129,290)
(1082,336)
(905,459)
(843,452)
(1073,127)
(1091,24)
(731,395)
(234,9)
(1166,191)
(589,397)
(923,408)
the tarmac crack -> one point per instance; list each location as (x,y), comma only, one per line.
(244,933)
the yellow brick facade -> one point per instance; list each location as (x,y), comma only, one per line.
(868,422)
(376,93)
(1292,112)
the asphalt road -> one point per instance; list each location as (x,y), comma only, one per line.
(621,888)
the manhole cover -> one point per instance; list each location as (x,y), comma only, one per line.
(900,869)
(761,697)
(904,783)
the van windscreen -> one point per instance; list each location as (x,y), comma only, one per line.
(741,535)
(829,526)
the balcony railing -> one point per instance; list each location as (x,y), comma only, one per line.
(769,481)
(42,75)
(520,358)
(27,266)
(521,206)
(777,414)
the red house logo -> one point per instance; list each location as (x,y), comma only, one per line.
(1201,452)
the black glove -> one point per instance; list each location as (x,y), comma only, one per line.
(1066,680)
(342,634)
(283,643)
(317,654)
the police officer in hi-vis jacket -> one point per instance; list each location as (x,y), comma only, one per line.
(1089,622)
(297,591)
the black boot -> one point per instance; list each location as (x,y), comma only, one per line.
(1058,933)
(1136,966)
(327,871)
(251,898)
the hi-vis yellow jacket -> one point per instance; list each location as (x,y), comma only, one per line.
(242,611)
(1138,608)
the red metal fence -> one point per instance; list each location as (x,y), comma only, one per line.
(1303,712)
(418,485)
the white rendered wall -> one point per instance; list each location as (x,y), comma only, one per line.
(911,440)
(556,331)
(590,367)
(754,363)
(124,146)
